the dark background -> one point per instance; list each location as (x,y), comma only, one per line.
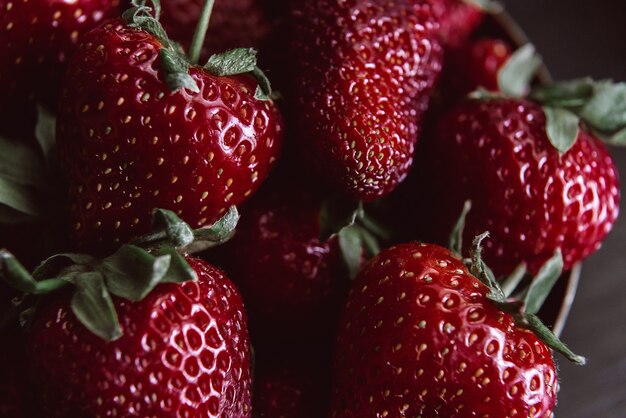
(577,38)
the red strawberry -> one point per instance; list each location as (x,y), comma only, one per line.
(458,19)
(420,336)
(293,282)
(288,392)
(38,39)
(475,65)
(129,144)
(533,200)
(364,74)
(234,23)
(177,341)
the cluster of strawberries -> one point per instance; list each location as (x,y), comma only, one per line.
(124,155)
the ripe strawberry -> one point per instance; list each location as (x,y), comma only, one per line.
(184,353)
(364,74)
(146,331)
(458,19)
(234,23)
(293,282)
(532,198)
(476,64)
(129,143)
(38,39)
(420,336)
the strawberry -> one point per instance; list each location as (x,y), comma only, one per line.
(459,18)
(536,179)
(293,282)
(421,336)
(363,78)
(141,127)
(145,333)
(234,23)
(38,39)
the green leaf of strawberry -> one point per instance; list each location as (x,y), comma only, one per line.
(525,311)
(351,245)
(552,340)
(141,16)
(600,106)
(543,283)
(130,273)
(606,110)
(45,132)
(93,306)
(515,77)
(18,203)
(562,127)
(566,94)
(179,270)
(241,61)
(174,63)
(176,69)
(19,278)
(28,176)
(235,61)
(166,225)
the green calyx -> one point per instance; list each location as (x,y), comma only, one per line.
(168,230)
(28,179)
(357,233)
(515,77)
(600,106)
(241,61)
(528,300)
(524,309)
(131,273)
(176,64)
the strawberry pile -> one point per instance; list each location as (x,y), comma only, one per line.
(181,240)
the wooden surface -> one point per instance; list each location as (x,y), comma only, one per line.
(579,38)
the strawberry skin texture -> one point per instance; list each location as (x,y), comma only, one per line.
(419,337)
(363,80)
(234,23)
(128,145)
(38,39)
(497,154)
(184,353)
(293,283)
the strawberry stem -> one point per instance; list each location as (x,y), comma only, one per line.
(201,29)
